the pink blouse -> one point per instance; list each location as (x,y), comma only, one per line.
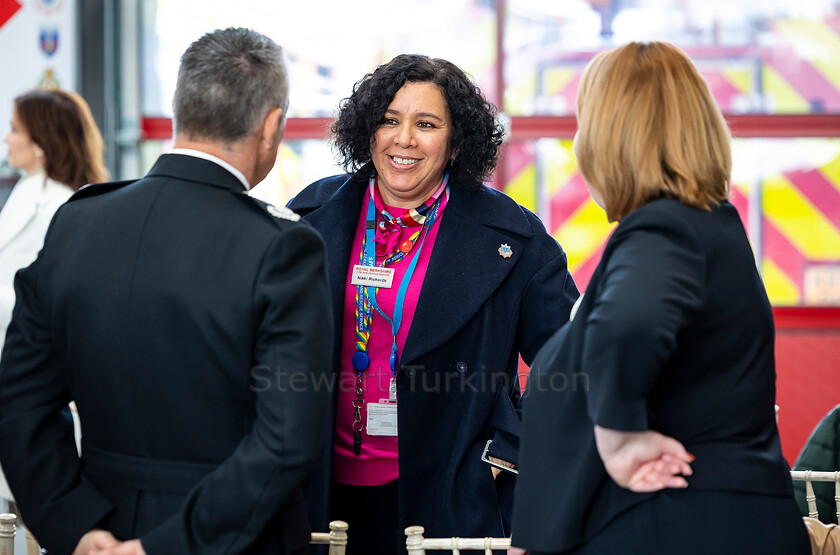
(378,462)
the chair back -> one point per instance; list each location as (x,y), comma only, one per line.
(336,538)
(7,534)
(811,476)
(416,544)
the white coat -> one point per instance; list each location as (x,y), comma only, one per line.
(24,220)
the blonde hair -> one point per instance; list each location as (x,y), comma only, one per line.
(648,127)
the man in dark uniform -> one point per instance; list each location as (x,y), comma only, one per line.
(190,323)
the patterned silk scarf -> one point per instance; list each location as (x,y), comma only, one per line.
(389,232)
(396,235)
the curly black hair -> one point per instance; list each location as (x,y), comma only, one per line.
(476,136)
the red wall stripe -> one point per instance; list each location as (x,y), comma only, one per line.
(537,127)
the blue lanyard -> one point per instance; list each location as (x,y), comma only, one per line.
(370,260)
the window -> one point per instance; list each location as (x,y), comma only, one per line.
(774,68)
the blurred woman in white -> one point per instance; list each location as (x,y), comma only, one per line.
(54,141)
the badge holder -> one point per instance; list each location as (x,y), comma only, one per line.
(382,416)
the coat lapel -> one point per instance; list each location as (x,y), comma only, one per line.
(465,268)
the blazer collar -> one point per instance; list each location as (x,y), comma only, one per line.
(198,170)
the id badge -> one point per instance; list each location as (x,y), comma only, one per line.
(372,276)
(382,419)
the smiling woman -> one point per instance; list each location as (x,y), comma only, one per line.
(474,138)
(426,362)
(411,148)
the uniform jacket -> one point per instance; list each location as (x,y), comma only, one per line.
(674,334)
(174,311)
(821,453)
(457,383)
(23,223)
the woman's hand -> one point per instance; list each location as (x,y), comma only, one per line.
(643,461)
(517,551)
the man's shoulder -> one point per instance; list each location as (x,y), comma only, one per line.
(96,189)
(278,215)
(272,221)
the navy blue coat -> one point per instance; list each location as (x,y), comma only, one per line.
(457,382)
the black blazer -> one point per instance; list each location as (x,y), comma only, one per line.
(675,334)
(174,310)
(457,383)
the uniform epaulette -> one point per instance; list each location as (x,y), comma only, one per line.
(95,189)
(278,212)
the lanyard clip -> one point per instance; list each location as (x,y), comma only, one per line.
(394,361)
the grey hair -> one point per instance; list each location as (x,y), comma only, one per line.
(228,80)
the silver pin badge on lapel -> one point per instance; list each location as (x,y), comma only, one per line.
(505,251)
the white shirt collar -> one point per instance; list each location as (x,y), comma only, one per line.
(215,159)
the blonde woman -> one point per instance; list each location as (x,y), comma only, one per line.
(649,419)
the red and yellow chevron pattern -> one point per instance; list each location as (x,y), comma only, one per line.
(800,211)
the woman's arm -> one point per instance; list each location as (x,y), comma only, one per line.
(653,286)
